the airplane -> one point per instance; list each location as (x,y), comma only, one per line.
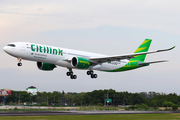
(49,57)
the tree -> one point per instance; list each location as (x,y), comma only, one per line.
(155,106)
(174,107)
(167,104)
(43,104)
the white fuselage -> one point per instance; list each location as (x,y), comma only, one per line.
(57,55)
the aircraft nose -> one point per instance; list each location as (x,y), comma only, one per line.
(5,48)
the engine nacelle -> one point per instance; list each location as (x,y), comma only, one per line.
(81,63)
(45,66)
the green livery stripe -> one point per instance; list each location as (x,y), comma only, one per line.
(144,47)
(133,63)
(140,49)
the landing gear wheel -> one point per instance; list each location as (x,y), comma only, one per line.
(91,72)
(92,76)
(68,73)
(95,75)
(19,64)
(71,73)
(88,73)
(74,76)
(71,77)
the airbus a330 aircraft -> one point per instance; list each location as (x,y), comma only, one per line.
(48,57)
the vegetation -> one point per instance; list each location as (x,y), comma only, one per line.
(141,100)
(174,107)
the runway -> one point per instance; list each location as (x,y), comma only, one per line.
(42,113)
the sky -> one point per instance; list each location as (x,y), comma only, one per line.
(111,27)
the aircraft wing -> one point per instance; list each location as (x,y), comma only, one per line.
(98,60)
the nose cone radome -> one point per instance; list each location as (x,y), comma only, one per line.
(8,50)
(5,48)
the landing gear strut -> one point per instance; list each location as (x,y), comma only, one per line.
(19,60)
(70,73)
(91,73)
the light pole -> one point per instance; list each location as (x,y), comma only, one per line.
(73,100)
(81,100)
(19,98)
(4,99)
(108,94)
(114,99)
(47,100)
(29,99)
(107,97)
(16,99)
(58,101)
(54,99)
(104,100)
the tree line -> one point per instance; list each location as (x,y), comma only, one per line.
(96,97)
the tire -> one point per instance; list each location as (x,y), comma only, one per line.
(92,76)
(19,64)
(71,73)
(95,75)
(68,74)
(91,72)
(88,72)
(71,77)
(74,76)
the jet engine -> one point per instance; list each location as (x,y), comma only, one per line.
(45,66)
(81,63)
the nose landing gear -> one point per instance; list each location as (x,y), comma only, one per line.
(70,73)
(19,60)
(91,73)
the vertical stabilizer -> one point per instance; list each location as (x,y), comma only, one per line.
(144,47)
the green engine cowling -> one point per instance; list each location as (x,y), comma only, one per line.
(81,63)
(45,66)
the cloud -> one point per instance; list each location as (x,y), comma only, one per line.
(90,14)
(40,9)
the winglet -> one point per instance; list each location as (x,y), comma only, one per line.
(172,48)
(166,49)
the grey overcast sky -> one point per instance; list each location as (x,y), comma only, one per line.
(109,27)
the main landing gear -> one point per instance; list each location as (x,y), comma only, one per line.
(91,73)
(70,73)
(19,60)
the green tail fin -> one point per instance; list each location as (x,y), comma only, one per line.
(144,47)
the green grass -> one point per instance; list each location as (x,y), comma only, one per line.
(97,117)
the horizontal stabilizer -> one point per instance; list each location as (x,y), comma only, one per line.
(147,63)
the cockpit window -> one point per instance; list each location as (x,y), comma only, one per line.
(12,45)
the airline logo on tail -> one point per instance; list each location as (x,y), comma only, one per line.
(144,47)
